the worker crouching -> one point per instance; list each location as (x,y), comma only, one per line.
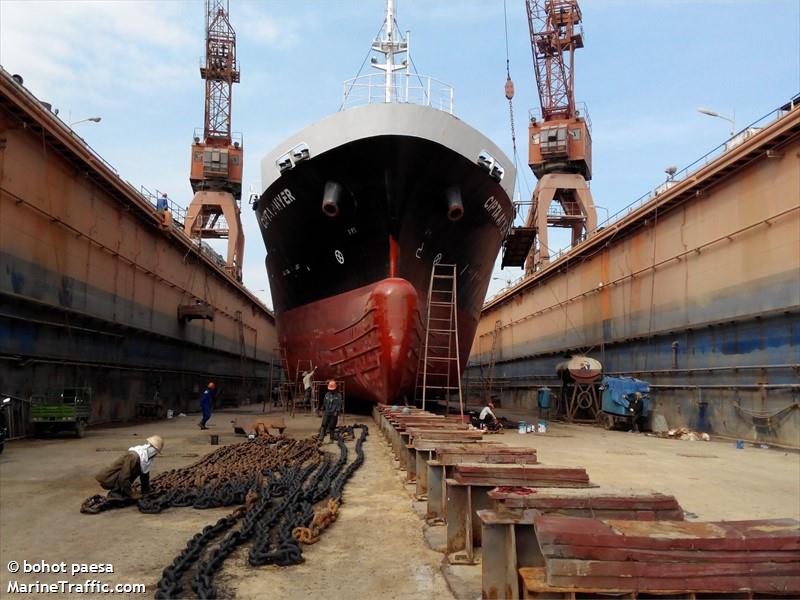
(119,478)
(331,407)
(488,420)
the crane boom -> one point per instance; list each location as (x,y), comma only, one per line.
(560,145)
(220,72)
(216,167)
(556,33)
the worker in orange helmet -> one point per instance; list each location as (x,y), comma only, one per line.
(331,407)
(205,404)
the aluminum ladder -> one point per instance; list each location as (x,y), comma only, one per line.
(440,365)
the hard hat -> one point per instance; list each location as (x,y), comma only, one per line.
(331,385)
(490,405)
(211,385)
(156,442)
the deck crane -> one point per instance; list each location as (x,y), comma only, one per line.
(216,165)
(560,144)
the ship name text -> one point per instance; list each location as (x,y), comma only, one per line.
(496,213)
(281,200)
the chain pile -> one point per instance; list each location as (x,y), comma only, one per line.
(279,490)
(224,477)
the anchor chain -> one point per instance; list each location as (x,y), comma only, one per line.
(278,479)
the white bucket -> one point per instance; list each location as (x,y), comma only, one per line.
(170,414)
(522,427)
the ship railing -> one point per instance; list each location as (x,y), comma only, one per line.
(178,212)
(206,249)
(408,88)
(737,138)
(237,139)
(581,110)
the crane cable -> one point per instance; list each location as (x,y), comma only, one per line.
(510,95)
(509,86)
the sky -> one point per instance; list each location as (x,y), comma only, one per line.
(647,65)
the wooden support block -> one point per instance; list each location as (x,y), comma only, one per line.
(521,475)
(760,556)
(591,502)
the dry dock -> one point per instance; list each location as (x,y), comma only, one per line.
(692,288)
(377,547)
(92,284)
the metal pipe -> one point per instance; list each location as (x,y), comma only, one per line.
(722,386)
(556,266)
(709,369)
(330,198)
(62,325)
(506,383)
(132,262)
(87,363)
(455,206)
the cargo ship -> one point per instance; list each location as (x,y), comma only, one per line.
(357,208)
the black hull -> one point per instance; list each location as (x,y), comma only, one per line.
(392,222)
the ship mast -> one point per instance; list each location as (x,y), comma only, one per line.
(389,55)
(388,46)
(389,87)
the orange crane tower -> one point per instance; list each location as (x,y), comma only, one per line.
(560,144)
(216,167)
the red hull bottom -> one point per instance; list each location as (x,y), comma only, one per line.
(369,337)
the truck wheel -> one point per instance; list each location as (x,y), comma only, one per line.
(80,429)
(608,422)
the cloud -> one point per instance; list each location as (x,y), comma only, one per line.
(254,25)
(75,48)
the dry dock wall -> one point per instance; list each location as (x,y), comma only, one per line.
(90,283)
(696,292)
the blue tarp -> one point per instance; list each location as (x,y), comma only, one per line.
(618,391)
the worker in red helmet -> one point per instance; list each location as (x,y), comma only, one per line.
(331,407)
(205,404)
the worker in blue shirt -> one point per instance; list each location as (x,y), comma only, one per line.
(205,404)
(162,203)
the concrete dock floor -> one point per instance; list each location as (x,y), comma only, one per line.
(377,548)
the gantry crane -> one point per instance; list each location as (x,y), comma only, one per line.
(216,167)
(560,144)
